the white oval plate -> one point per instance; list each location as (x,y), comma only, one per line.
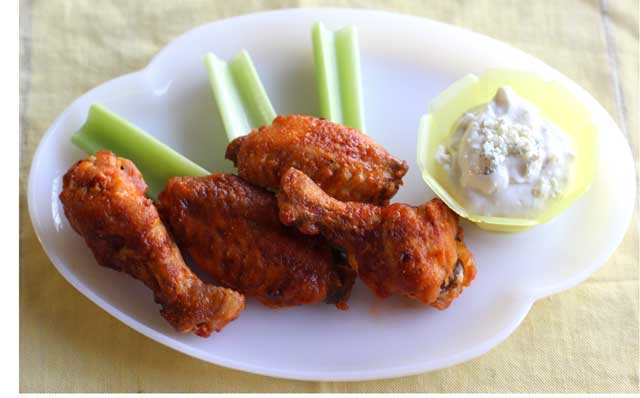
(406,61)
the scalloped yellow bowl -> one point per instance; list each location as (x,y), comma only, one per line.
(555,102)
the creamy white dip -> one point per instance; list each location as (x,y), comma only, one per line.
(505,158)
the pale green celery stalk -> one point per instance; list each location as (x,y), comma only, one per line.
(241,99)
(337,60)
(156,161)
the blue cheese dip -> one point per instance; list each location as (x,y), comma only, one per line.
(505,158)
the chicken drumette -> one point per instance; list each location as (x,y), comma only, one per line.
(345,163)
(231,229)
(397,249)
(104,199)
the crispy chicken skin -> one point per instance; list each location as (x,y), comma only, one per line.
(344,162)
(104,199)
(397,249)
(231,229)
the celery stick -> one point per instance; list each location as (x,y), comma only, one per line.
(156,161)
(241,99)
(337,60)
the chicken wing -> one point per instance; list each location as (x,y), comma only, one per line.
(397,249)
(231,229)
(345,163)
(104,199)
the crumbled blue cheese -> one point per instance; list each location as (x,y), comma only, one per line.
(506,158)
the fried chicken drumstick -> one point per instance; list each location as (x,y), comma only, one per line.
(104,199)
(344,162)
(397,249)
(231,229)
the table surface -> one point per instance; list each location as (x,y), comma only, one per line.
(583,339)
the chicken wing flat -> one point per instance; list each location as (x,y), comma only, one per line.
(344,162)
(397,249)
(231,229)
(104,199)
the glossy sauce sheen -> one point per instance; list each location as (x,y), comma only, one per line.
(104,200)
(344,162)
(231,229)
(396,249)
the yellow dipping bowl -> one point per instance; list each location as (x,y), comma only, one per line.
(555,102)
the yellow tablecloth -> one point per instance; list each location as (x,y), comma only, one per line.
(584,339)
